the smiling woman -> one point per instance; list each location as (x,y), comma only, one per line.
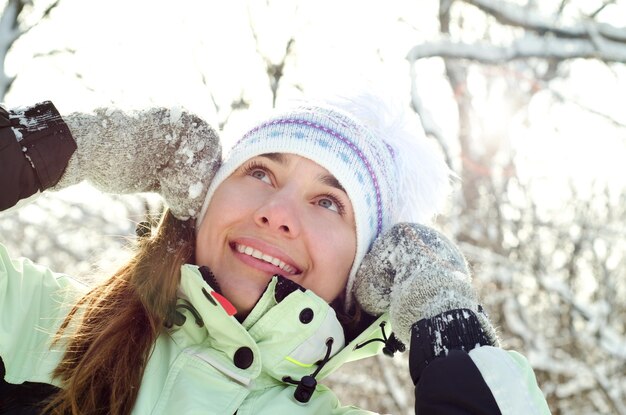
(265,275)
(277,214)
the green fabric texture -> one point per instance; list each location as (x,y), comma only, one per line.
(33,303)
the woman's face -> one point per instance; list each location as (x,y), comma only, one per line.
(278,214)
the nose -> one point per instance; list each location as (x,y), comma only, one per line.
(279,213)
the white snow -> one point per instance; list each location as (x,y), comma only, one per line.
(18,134)
(195,190)
(175,114)
(187,152)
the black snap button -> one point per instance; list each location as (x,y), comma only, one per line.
(306,316)
(243,357)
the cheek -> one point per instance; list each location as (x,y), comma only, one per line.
(232,205)
(216,220)
(345,247)
(203,244)
(334,248)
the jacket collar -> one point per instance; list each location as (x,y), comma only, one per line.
(287,331)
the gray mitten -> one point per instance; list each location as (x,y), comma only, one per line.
(416,273)
(168,151)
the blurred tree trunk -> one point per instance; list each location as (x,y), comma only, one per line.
(11,29)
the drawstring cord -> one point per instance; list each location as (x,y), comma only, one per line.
(306,385)
(392,344)
(179,318)
(193,311)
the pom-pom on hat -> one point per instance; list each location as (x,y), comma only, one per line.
(389,173)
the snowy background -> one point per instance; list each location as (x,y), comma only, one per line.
(525,98)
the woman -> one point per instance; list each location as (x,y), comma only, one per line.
(273,284)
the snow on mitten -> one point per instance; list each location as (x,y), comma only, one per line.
(416,273)
(168,151)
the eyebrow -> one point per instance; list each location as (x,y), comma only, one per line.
(277,157)
(327,179)
(330,180)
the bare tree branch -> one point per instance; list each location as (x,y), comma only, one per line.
(586,108)
(599,9)
(274,71)
(430,126)
(54,52)
(10,31)
(524,48)
(514,15)
(45,15)
(551,285)
(9,27)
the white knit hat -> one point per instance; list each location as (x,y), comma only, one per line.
(390,174)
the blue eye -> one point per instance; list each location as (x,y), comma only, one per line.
(258,171)
(258,174)
(261,175)
(331,203)
(327,203)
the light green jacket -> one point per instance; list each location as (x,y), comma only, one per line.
(213,364)
(193,368)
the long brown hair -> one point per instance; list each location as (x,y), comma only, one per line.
(109,334)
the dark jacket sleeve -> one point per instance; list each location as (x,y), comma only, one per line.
(446,379)
(35,147)
(25,399)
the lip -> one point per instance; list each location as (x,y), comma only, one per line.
(266,249)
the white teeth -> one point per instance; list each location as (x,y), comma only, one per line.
(267,258)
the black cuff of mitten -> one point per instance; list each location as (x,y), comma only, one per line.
(35,147)
(433,338)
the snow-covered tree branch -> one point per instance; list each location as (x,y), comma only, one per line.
(530,46)
(512,14)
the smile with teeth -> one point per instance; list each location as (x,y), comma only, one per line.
(267,258)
